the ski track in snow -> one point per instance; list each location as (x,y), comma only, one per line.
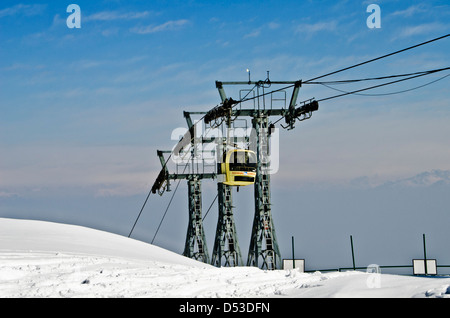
(55,260)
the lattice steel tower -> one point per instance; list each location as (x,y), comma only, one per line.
(263,249)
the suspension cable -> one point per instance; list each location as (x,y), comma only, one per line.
(391,93)
(372,87)
(379,58)
(350,67)
(377,78)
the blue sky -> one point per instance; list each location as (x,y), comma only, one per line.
(84,110)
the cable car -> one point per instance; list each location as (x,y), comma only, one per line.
(239,167)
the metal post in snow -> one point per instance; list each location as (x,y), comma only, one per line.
(293,256)
(425,254)
(353,254)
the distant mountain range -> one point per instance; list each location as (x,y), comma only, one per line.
(424,179)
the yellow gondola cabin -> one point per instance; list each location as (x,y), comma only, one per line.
(239,167)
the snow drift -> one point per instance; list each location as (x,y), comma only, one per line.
(43,259)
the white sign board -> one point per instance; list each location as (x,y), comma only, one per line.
(419,267)
(299,264)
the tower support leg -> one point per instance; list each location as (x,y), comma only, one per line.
(226,247)
(195,246)
(263,250)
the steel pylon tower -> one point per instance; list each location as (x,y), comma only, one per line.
(263,241)
(263,250)
(195,246)
(226,244)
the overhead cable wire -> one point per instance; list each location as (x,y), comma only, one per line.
(372,87)
(210,207)
(167,208)
(350,67)
(391,93)
(140,212)
(379,58)
(377,78)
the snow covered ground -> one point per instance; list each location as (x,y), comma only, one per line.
(43,259)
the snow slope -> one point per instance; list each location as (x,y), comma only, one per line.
(43,259)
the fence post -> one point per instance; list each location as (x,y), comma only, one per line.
(425,255)
(293,256)
(353,254)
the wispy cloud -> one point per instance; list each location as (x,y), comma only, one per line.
(317,27)
(410,11)
(117,15)
(6,194)
(273,25)
(17,66)
(167,26)
(23,9)
(253,34)
(425,28)
(258,31)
